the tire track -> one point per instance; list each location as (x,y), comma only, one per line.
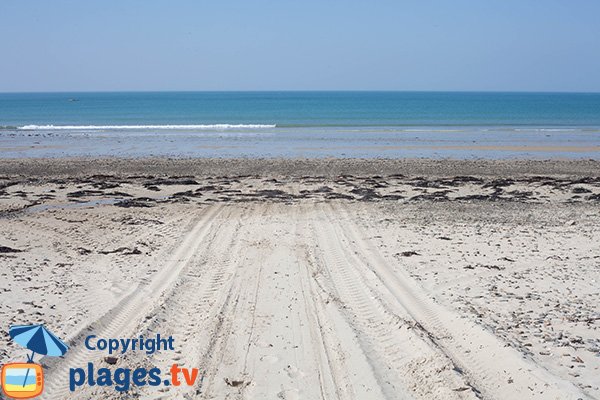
(334,377)
(124,316)
(481,356)
(87,302)
(193,305)
(227,349)
(404,365)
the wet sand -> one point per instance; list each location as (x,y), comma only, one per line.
(328,167)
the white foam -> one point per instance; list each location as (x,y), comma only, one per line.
(433,130)
(140,127)
(545,130)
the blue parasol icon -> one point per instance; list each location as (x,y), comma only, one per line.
(39,340)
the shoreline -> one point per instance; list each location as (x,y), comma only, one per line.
(292,167)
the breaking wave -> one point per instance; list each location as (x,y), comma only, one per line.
(140,127)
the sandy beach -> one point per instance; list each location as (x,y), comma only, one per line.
(300,201)
(312,279)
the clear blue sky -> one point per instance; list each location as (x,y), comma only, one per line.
(506,45)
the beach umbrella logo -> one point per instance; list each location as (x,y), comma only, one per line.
(26,380)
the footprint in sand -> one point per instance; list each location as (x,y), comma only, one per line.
(289,394)
(269,359)
(294,372)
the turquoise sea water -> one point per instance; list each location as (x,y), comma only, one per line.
(301,124)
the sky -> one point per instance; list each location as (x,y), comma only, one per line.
(147,45)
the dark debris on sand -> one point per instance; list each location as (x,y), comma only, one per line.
(6,249)
(143,202)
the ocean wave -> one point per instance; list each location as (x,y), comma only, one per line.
(432,130)
(546,129)
(140,127)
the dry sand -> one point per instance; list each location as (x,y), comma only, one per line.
(309,279)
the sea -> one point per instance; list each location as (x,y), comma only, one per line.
(458,125)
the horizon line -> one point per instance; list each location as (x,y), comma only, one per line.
(304,91)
